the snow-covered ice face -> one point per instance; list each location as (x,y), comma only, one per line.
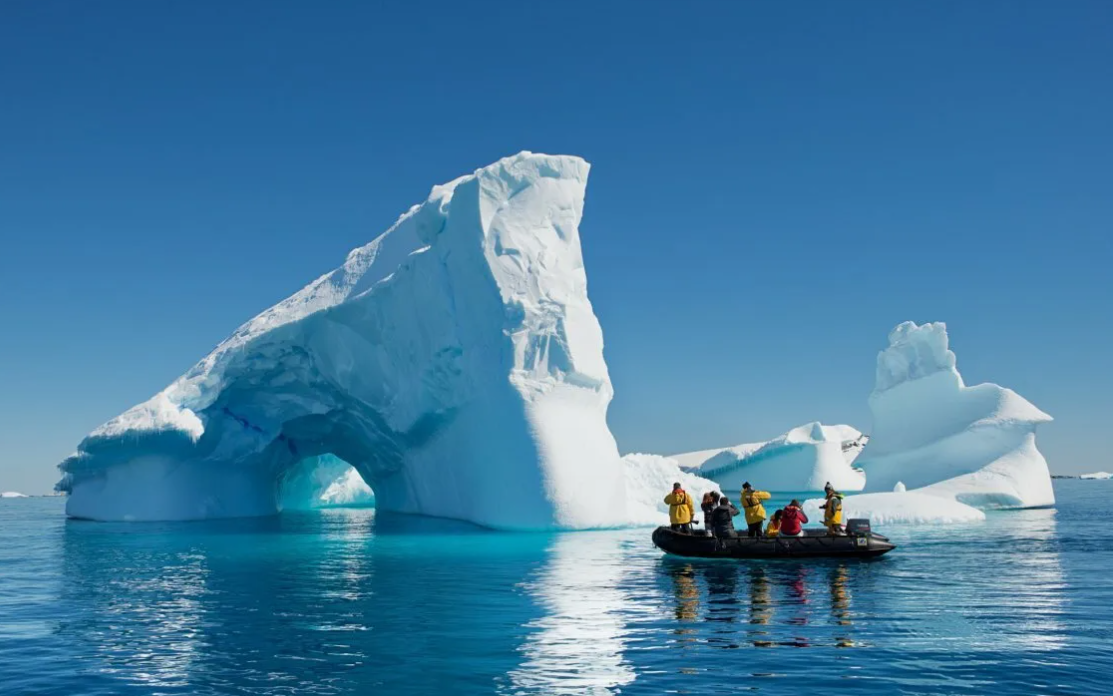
(455,362)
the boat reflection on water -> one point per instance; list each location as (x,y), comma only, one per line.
(997,586)
(687,596)
(840,604)
(763,605)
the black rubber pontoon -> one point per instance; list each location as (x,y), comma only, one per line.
(817,544)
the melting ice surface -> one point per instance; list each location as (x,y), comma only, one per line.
(350,601)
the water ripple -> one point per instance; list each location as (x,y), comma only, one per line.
(339,602)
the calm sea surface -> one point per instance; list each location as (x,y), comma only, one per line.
(339,602)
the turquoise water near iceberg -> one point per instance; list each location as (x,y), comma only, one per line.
(342,602)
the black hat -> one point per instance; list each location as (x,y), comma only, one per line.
(746,485)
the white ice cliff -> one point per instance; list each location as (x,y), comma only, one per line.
(455,362)
(976,445)
(803,459)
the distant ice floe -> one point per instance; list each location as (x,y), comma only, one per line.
(13,494)
(1098,475)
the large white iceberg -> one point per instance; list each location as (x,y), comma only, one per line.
(803,459)
(976,445)
(455,362)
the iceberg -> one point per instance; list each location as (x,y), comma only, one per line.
(803,459)
(13,494)
(649,477)
(1097,475)
(454,362)
(975,445)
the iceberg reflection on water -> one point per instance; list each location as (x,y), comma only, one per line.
(577,645)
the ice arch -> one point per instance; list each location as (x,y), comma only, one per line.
(455,362)
(324,481)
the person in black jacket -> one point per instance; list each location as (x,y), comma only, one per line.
(722,518)
(708,505)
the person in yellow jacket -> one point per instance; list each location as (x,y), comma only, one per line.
(755,511)
(774,527)
(681,509)
(832,510)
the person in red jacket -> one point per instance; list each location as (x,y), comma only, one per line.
(792,520)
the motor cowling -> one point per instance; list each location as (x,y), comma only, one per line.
(858,527)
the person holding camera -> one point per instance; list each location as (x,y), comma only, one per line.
(722,518)
(755,511)
(681,509)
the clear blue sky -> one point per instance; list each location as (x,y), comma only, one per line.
(774,186)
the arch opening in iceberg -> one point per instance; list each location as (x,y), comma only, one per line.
(321,482)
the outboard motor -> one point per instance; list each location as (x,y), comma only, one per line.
(858,528)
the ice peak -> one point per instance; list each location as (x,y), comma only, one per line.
(914,352)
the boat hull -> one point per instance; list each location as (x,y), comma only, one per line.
(815,545)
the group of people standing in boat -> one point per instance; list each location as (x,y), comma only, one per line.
(719,513)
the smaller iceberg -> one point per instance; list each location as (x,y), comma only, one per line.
(13,494)
(1097,475)
(975,445)
(804,459)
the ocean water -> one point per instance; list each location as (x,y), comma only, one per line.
(342,602)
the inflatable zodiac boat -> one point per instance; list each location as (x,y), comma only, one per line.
(859,542)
